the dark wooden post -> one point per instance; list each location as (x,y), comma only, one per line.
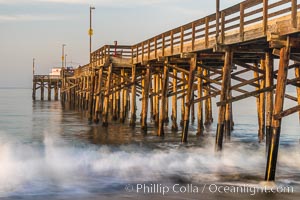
(164,97)
(49,89)
(106,97)
(297,75)
(223,97)
(183,87)
(156,105)
(34,90)
(56,91)
(278,107)
(146,98)
(42,89)
(269,96)
(133,97)
(174,102)
(228,115)
(188,103)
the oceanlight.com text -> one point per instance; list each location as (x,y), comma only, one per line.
(163,189)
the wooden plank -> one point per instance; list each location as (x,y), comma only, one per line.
(244,96)
(242,22)
(287,112)
(294,13)
(206,32)
(244,65)
(265,17)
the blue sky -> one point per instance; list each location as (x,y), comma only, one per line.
(37,29)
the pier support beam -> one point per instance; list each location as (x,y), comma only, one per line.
(106,97)
(174,102)
(297,75)
(42,90)
(98,96)
(190,92)
(91,95)
(262,102)
(208,103)
(156,99)
(228,116)
(183,87)
(34,90)
(145,98)
(224,95)
(133,97)
(49,89)
(200,104)
(123,97)
(56,91)
(269,79)
(278,107)
(164,98)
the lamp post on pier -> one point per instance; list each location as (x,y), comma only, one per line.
(63,56)
(91,31)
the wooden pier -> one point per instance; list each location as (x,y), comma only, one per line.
(222,55)
(49,82)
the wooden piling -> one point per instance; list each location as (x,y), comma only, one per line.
(123,97)
(262,103)
(42,89)
(98,95)
(278,107)
(56,91)
(49,89)
(164,98)
(269,79)
(224,95)
(106,97)
(133,97)
(34,90)
(174,102)
(208,102)
(188,97)
(145,98)
(156,102)
(183,87)
(228,116)
(200,126)
(297,75)
(91,95)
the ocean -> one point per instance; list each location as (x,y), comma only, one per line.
(51,152)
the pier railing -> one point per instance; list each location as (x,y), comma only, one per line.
(46,77)
(102,55)
(204,33)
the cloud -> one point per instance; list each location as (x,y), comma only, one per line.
(9,18)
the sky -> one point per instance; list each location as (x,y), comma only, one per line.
(38,28)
